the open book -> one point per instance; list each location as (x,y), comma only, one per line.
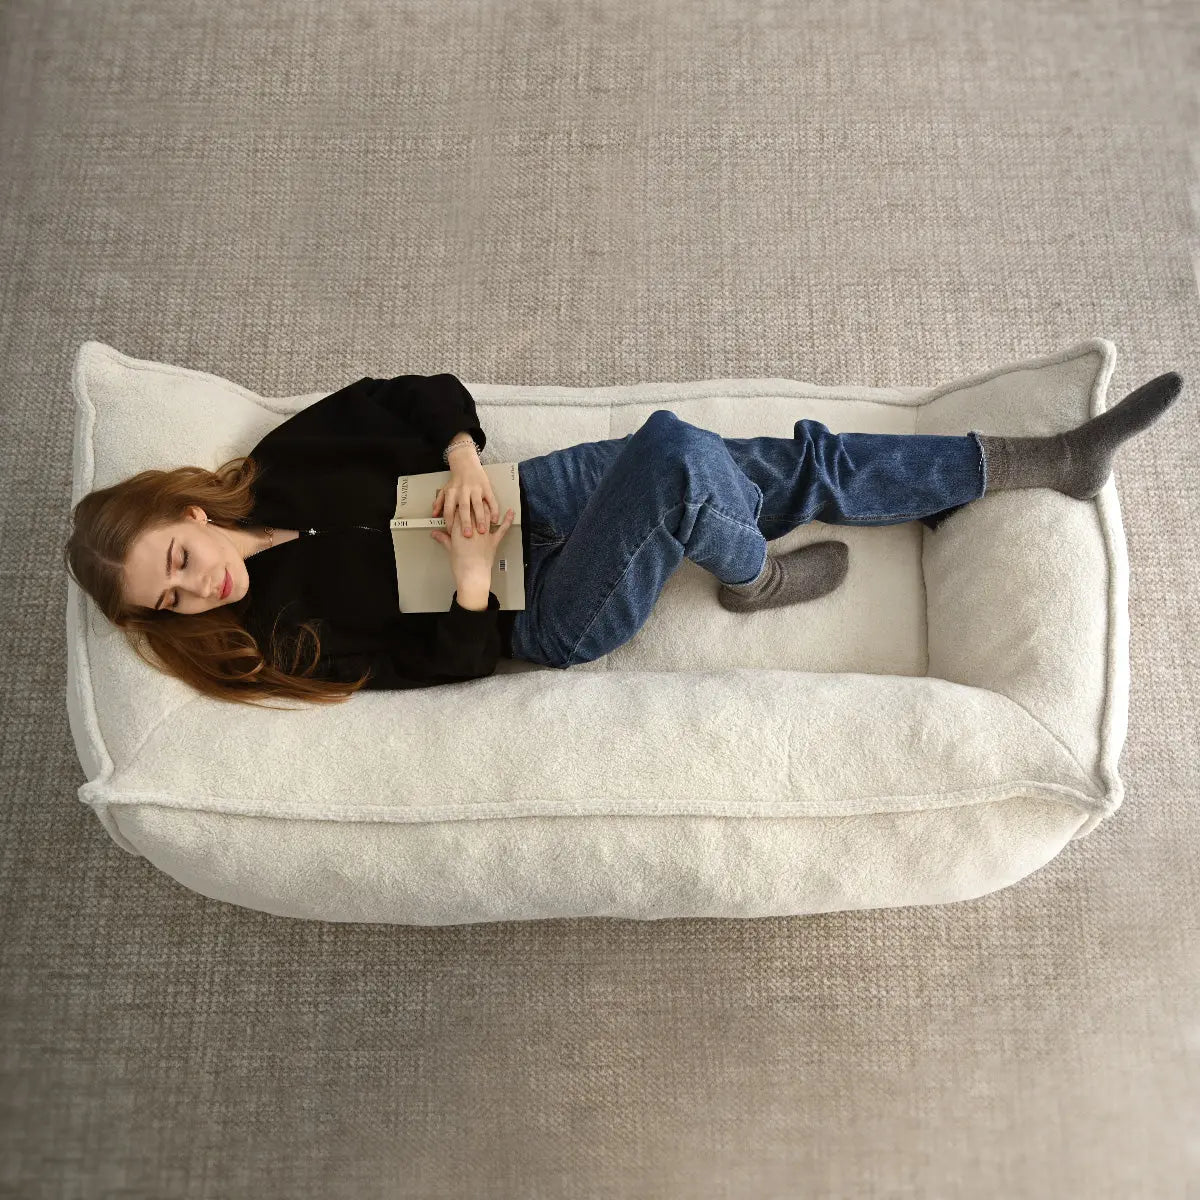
(423,575)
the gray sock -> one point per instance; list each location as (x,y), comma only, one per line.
(1078,462)
(813,570)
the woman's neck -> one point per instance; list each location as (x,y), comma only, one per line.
(250,539)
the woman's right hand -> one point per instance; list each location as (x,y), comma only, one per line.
(474,555)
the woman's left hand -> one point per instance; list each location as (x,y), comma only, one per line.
(469,497)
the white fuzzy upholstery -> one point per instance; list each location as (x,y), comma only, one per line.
(937,728)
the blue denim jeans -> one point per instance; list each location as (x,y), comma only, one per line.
(610,521)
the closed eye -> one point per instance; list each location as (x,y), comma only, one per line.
(181,566)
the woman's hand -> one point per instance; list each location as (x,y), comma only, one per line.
(472,555)
(468,497)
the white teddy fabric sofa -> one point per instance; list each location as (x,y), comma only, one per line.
(936,729)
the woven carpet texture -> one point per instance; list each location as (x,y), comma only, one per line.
(293,195)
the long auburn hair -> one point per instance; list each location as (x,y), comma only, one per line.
(212,651)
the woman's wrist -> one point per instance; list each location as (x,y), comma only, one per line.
(458,442)
(474,592)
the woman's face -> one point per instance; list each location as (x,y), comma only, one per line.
(183,567)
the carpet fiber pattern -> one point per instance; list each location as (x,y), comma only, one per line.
(602,193)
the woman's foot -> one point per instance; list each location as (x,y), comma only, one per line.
(1078,462)
(805,574)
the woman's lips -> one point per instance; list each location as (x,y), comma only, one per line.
(227,585)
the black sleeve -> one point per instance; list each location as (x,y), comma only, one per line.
(437,406)
(431,407)
(465,646)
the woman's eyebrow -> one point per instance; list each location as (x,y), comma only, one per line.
(164,595)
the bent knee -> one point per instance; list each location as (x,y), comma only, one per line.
(672,434)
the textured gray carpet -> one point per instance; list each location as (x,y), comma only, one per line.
(294,195)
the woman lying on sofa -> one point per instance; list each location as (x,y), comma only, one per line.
(274,575)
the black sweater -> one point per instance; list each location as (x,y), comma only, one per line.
(332,467)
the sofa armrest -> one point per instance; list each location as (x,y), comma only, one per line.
(1027,590)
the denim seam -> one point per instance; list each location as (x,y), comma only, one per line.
(892,516)
(983,471)
(637,550)
(720,513)
(741,525)
(611,590)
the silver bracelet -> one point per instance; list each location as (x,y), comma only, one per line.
(454,445)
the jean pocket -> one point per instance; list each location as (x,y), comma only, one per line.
(543,535)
